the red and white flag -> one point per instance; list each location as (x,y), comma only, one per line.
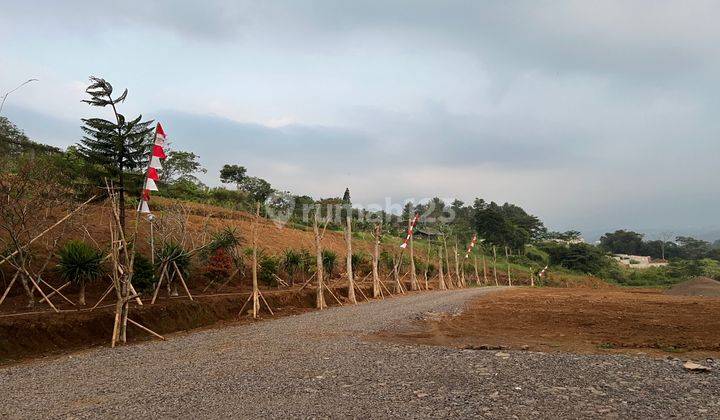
(472,245)
(410,230)
(542,272)
(158,152)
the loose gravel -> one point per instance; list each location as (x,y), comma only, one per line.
(322,365)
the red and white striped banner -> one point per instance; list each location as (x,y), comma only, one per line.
(542,272)
(158,152)
(471,246)
(410,230)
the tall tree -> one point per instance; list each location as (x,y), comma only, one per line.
(181,165)
(120,146)
(622,242)
(232,174)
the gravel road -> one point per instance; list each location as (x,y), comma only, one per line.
(321,364)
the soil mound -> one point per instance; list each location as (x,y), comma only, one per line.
(698,286)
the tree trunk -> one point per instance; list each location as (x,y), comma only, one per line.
(458,276)
(449,282)
(121,198)
(484,270)
(413,275)
(495,266)
(396,276)
(319,298)
(348,260)
(81,298)
(441,285)
(375,261)
(256,289)
(507,260)
(477,273)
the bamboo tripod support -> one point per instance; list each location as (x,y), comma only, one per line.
(256,294)
(441,278)
(166,276)
(122,259)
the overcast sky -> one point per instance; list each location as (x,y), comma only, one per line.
(591,115)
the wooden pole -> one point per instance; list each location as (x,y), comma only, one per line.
(413,274)
(348,258)
(495,266)
(441,284)
(449,281)
(458,276)
(182,280)
(152,244)
(477,274)
(7,290)
(377,291)
(485,281)
(255,297)
(320,297)
(507,260)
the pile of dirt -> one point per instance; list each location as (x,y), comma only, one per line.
(577,320)
(697,286)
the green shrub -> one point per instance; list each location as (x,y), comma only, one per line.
(296,263)
(268,266)
(170,252)
(80,263)
(329,259)
(143,274)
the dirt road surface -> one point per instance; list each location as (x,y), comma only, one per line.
(322,364)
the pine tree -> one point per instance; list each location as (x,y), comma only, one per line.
(119,146)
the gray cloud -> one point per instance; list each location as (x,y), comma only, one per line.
(594,115)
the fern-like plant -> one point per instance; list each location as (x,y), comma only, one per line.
(80,263)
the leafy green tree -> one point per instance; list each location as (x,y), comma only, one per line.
(691,248)
(120,146)
(181,165)
(258,189)
(579,257)
(622,242)
(13,141)
(80,263)
(232,174)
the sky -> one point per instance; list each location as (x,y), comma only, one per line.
(591,115)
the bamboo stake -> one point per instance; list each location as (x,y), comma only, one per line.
(107,292)
(413,275)
(157,288)
(447,264)
(507,260)
(441,285)
(477,274)
(182,280)
(348,257)
(458,276)
(329,289)
(495,266)
(485,280)
(7,290)
(256,300)
(377,291)
(56,291)
(39,289)
(146,329)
